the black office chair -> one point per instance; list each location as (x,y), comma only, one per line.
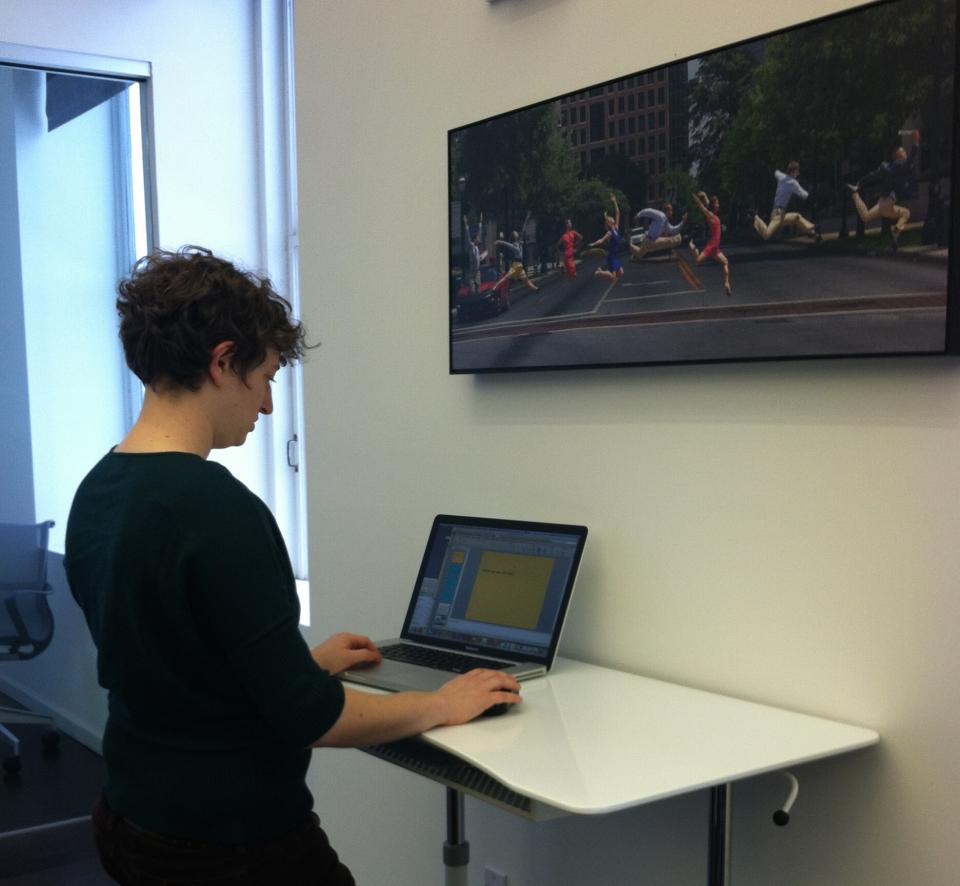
(26,622)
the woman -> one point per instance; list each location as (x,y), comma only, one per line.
(712,249)
(611,270)
(181,572)
(570,242)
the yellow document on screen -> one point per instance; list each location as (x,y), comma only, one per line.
(509,589)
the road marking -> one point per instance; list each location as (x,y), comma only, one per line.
(687,273)
(712,314)
(603,297)
(618,321)
(611,301)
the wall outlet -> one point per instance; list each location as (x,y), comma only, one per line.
(493,877)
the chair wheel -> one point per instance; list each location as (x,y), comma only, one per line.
(12,765)
(50,741)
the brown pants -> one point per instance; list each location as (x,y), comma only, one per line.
(780,219)
(885,207)
(647,246)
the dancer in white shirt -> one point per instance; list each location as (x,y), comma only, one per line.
(661,233)
(780,219)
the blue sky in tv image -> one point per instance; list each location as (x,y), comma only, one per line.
(755,202)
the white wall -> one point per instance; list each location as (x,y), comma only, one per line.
(785,532)
(210,193)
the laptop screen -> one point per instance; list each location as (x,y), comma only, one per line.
(497,587)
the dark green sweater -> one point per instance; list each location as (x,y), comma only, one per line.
(214,698)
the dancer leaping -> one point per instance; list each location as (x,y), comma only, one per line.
(570,242)
(513,250)
(892,179)
(611,269)
(661,232)
(712,249)
(787,187)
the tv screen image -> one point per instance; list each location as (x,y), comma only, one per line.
(791,196)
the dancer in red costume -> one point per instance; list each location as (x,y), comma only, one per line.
(712,250)
(570,242)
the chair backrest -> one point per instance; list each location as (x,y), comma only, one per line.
(26,622)
(23,556)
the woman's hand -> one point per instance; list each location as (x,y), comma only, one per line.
(342,651)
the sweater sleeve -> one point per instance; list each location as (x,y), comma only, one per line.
(246,603)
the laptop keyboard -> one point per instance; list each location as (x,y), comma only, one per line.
(439,659)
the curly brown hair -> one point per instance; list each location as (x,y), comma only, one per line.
(176,307)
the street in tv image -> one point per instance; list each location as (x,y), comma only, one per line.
(786,197)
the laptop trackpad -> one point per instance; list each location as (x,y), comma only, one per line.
(398,676)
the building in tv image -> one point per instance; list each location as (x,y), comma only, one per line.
(786,197)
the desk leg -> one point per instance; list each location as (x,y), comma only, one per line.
(718,859)
(456,849)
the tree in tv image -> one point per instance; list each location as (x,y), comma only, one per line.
(828,148)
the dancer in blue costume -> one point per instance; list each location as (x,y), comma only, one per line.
(611,269)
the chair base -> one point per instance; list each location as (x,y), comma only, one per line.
(50,737)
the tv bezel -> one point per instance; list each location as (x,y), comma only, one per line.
(952,309)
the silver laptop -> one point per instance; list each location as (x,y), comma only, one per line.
(490,593)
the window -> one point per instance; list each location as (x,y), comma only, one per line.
(73,145)
(96,164)
(596,122)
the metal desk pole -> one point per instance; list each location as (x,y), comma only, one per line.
(456,849)
(718,859)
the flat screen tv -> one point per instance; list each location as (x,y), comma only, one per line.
(791,196)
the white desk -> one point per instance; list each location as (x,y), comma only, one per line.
(589,740)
